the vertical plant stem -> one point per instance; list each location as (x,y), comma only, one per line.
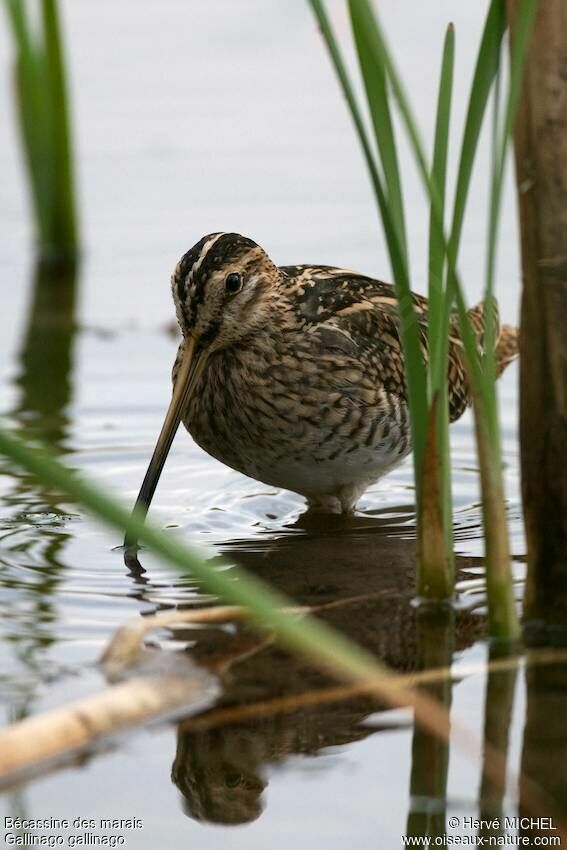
(415,369)
(486,69)
(479,95)
(437,377)
(43,112)
(32,115)
(439,180)
(541,166)
(63,213)
(487,64)
(371,44)
(500,150)
(435,576)
(503,615)
(503,620)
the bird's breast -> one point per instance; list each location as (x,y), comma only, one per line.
(291,421)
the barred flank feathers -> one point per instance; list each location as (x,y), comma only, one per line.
(507,347)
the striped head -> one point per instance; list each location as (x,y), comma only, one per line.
(222,289)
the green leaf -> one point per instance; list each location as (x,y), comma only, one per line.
(415,369)
(43,114)
(374,78)
(439,179)
(501,138)
(437,372)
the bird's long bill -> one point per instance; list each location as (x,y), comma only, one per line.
(191,366)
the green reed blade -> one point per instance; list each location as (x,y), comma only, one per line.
(374,80)
(490,311)
(63,212)
(429,534)
(382,57)
(415,369)
(486,70)
(502,607)
(267,606)
(32,114)
(346,86)
(300,632)
(435,285)
(435,577)
(43,114)
(439,179)
(503,622)
(526,17)
(377,46)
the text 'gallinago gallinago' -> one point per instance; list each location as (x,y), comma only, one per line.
(294,375)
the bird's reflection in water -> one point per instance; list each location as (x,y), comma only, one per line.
(219,773)
(360,578)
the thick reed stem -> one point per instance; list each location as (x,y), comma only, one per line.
(541,166)
(502,616)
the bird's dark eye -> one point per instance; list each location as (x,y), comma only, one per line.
(233,283)
(233,780)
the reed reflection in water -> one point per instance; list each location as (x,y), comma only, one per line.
(32,524)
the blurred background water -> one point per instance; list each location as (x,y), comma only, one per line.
(191,118)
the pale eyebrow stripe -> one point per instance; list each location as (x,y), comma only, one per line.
(205,250)
(180,285)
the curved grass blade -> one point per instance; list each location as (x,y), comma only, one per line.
(304,634)
(415,368)
(347,89)
(377,45)
(375,84)
(486,70)
(503,620)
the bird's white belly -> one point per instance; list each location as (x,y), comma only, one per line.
(321,479)
(355,470)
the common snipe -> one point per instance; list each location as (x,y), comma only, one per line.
(294,375)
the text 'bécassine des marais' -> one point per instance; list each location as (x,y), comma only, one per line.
(77,823)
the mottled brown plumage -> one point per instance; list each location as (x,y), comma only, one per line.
(299,377)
